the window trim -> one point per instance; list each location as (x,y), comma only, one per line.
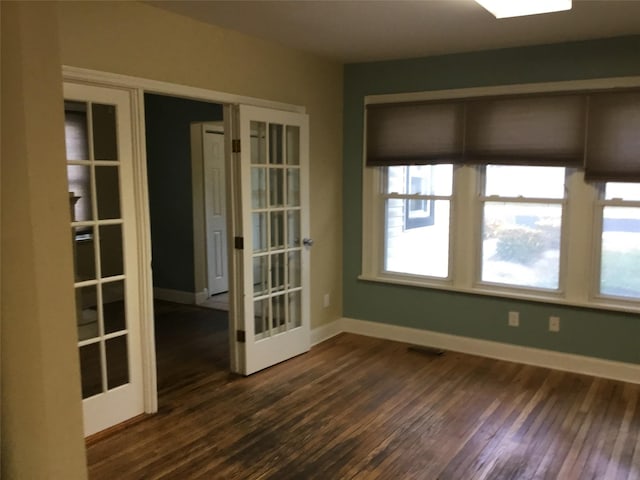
(482,199)
(406,197)
(600,203)
(578,211)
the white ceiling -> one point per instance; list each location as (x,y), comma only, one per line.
(366,30)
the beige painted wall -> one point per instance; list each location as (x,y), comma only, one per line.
(144,41)
(40,401)
(42,434)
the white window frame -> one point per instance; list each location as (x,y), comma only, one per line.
(482,199)
(581,221)
(407,197)
(601,203)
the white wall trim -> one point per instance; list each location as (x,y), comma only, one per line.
(325,332)
(606,83)
(175,296)
(201,296)
(71,73)
(626,372)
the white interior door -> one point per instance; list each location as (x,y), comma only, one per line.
(103,231)
(215,207)
(275,229)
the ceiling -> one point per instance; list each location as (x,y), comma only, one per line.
(367,30)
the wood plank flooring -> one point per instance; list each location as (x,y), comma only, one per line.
(362,408)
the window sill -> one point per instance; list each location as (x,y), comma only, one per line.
(551,298)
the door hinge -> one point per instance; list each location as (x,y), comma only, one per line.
(240,337)
(238,243)
(235,146)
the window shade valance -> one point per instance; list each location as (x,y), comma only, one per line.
(546,131)
(402,134)
(613,140)
(597,131)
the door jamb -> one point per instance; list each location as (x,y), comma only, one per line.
(138,87)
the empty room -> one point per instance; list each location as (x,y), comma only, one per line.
(397,240)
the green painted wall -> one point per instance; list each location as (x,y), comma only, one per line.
(595,333)
(168,137)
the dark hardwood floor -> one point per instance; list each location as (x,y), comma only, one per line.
(362,408)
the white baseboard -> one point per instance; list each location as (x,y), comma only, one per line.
(201,296)
(325,332)
(626,372)
(176,296)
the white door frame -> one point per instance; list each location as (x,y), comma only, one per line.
(137,88)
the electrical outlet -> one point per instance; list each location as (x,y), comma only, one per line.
(554,324)
(326,301)
(514,319)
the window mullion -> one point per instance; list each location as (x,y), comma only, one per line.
(579,244)
(464,227)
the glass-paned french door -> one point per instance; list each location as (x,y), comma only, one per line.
(100,173)
(274,178)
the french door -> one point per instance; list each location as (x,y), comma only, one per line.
(99,149)
(274,247)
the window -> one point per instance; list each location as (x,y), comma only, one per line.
(417,203)
(418,212)
(521,224)
(507,193)
(620,241)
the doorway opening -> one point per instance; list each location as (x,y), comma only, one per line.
(186,182)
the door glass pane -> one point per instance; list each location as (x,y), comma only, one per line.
(276,187)
(117,361)
(259,221)
(294,269)
(87,312)
(260,275)
(113,307)
(261,317)
(111,250)
(258,187)
(521,244)
(105,145)
(258,143)
(275,144)
(295,309)
(277,272)
(277,230)
(79,177)
(75,130)
(107,192)
(293,145)
(293,187)
(90,370)
(278,313)
(84,258)
(620,262)
(293,228)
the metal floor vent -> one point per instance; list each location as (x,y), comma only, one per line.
(434,352)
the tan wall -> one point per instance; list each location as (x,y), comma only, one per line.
(144,41)
(40,401)
(42,433)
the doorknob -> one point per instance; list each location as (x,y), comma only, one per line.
(307,242)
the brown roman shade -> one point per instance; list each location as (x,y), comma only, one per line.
(613,140)
(414,133)
(599,131)
(531,130)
